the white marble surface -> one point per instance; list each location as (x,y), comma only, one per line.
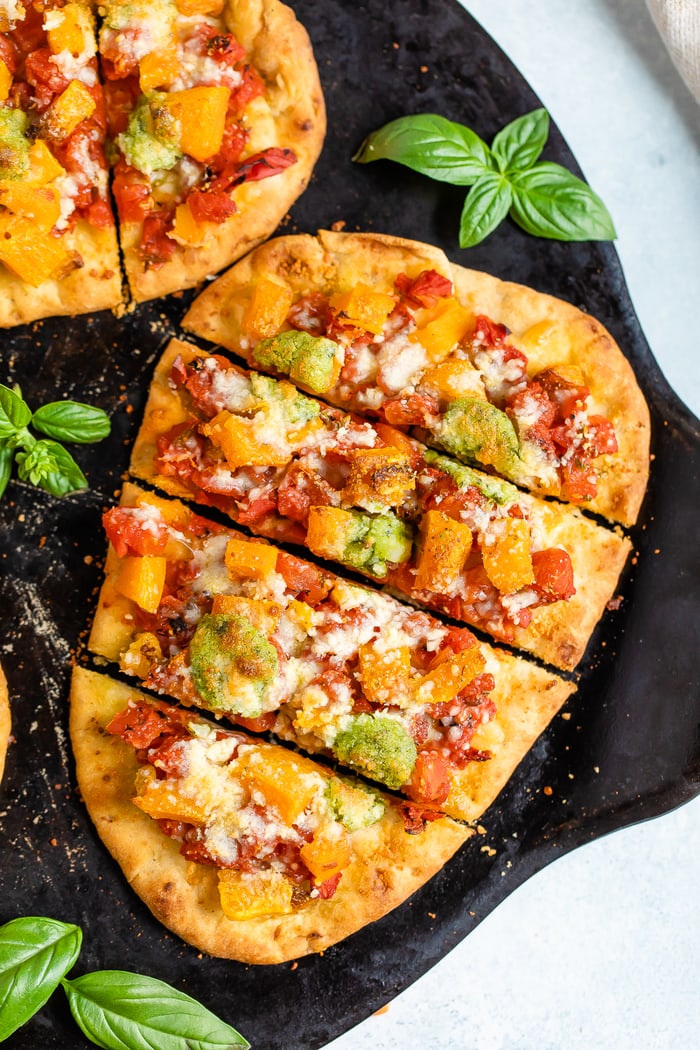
(599,950)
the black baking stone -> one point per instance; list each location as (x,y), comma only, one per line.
(626,746)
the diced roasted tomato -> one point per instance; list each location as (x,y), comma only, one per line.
(600,436)
(566,395)
(44,76)
(302,489)
(425,289)
(261,724)
(414,410)
(326,889)
(120,99)
(251,86)
(156,247)
(130,535)
(257,509)
(430,781)
(8,53)
(131,193)
(554,574)
(209,205)
(303,579)
(142,723)
(311,313)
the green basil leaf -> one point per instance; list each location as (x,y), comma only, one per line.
(431,145)
(548,201)
(126,1011)
(485,208)
(518,145)
(35,953)
(14,412)
(50,466)
(7,456)
(72,421)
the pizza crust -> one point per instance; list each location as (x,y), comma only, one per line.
(293,115)
(97,285)
(565,333)
(557,634)
(5,721)
(389,864)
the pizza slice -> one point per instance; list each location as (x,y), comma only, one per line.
(245,849)
(58,244)
(204,615)
(216,118)
(5,721)
(519,383)
(530,573)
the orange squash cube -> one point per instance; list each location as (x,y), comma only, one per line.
(141,579)
(451,380)
(254,895)
(246,558)
(163,802)
(508,560)
(143,653)
(5,81)
(384,673)
(268,308)
(72,106)
(449,323)
(328,853)
(363,308)
(201,115)
(452,674)
(69,34)
(33,258)
(240,444)
(263,614)
(446,545)
(158,69)
(378,475)
(288,782)
(39,205)
(186,229)
(43,166)
(200,7)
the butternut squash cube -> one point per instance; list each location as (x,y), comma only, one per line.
(158,69)
(72,106)
(288,782)
(451,380)
(69,34)
(451,676)
(384,673)
(240,444)
(378,476)
(142,578)
(328,853)
(5,81)
(446,545)
(39,205)
(142,654)
(250,895)
(246,558)
(449,323)
(33,258)
(263,614)
(268,308)
(200,7)
(43,166)
(363,308)
(163,802)
(201,115)
(186,229)
(508,559)
(328,531)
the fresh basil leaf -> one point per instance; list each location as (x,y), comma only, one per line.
(126,1011)
(50,466)
(518,145)
(431,145)
(549,201)
(35,953)
(72,421)
(485,208)
(7,456)
(14,412)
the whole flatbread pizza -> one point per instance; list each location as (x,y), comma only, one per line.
(503,377)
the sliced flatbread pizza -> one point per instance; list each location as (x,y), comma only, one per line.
(58,242)
(244,849)
(204,615)
(5,721)
(517,382)
(530,573)
(216,116)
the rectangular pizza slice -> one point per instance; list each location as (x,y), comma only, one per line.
(245,849)
(517,382)
(211,618)
(58,244)
(530,573)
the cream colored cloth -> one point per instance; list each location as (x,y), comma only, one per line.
(678,21)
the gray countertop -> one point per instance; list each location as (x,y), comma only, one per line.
(599,950)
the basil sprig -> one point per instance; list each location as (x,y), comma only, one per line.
(116,1010)
(44,462)
(545,199)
